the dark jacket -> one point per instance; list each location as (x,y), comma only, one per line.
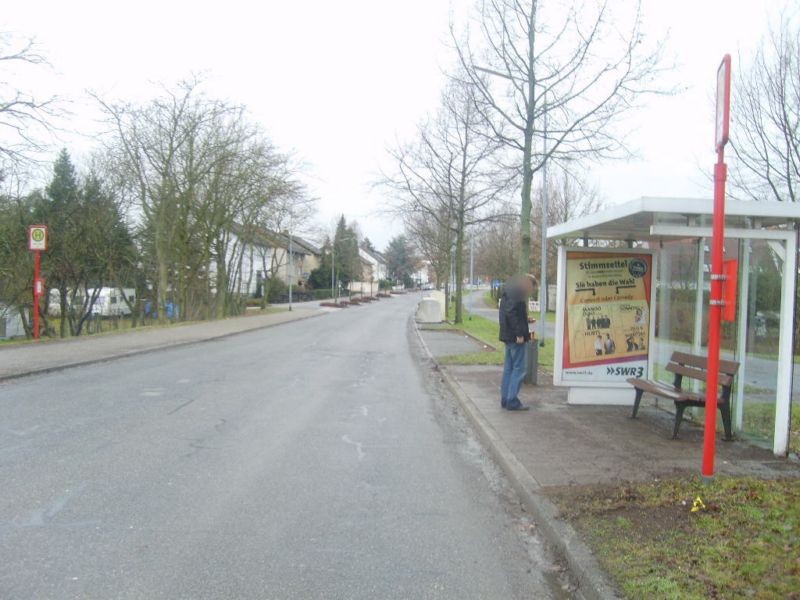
(513,314)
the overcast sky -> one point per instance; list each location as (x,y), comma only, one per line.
(337,82)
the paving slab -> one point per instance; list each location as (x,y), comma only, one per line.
(445,342)
(562,444)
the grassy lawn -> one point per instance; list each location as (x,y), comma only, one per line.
(744,542)
(549,317)
(759,422)
(487,331)
(489,299)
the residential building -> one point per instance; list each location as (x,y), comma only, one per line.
(262,255)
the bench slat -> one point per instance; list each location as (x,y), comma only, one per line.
(729,367)
(660,388)
(723,378)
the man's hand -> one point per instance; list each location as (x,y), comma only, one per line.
(520,339)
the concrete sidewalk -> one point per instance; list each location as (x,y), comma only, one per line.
(18,360)
(561,444)
(555,444)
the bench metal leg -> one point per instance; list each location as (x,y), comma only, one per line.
(679,408)
(636,402)
(725,411)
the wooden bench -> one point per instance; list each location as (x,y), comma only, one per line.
(693,367)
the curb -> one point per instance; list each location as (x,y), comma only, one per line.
(593,584)
(158,348)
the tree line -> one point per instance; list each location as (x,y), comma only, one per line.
(541,89)
(534,83)
(168,206)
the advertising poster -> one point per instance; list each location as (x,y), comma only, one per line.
(607,316)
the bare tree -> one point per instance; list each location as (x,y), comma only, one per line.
(553,82)
(765,132)
(434,241)
(196,171)
(448,175)
(765,135)
(497,244)
(570,196)
(23,116)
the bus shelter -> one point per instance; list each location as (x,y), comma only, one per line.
(662,245)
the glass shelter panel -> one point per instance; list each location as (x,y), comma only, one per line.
(683,287)
(762,267)
(676,302)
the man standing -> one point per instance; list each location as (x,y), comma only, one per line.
(514,333)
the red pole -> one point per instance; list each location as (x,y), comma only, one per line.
(715,314)
(36,291)
(717,265)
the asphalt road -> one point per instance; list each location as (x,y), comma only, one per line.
(317,459)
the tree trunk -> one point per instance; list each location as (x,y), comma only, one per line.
(459,274)
(161,292)
(62,298)
(527,184)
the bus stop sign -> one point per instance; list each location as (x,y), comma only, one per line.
(37,238)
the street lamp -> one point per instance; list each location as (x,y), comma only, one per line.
(543,273)
(333,262)
(291,265)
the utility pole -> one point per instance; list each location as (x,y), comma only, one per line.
(333,261)
(472,270)
(543,273)
(291,264)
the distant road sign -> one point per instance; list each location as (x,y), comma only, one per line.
(723,102)
(37,237)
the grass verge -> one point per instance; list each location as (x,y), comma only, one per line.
(743,542)
(488,331)
(110,327)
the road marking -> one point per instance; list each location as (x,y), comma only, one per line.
(20,433)
(359,446)
(42,516)
(152,392)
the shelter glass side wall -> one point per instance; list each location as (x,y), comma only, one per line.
(683,287)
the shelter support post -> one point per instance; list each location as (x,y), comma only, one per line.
(714,316)
(743,318)
(783,394)
(664,300)
(697,334)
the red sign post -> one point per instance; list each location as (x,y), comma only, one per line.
(37,243)
(717,267)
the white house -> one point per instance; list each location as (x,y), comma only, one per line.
(374,264)
(373,269)
(261,255)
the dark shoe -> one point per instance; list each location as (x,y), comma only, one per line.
(519,406)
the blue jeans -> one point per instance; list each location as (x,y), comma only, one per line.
(513,374)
